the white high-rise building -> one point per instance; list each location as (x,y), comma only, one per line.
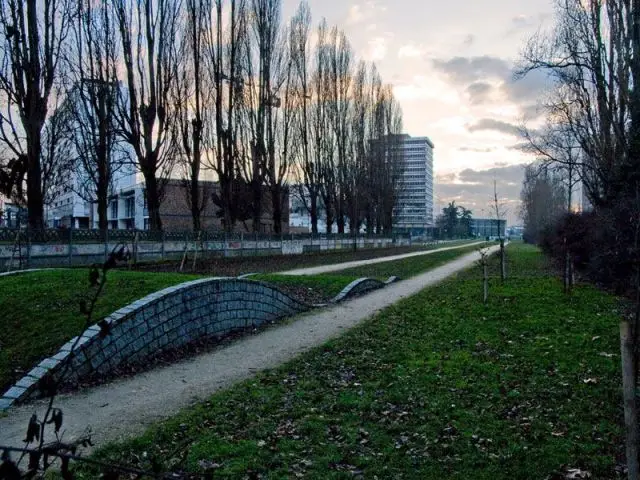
(414,208)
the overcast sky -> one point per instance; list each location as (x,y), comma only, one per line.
(451,64)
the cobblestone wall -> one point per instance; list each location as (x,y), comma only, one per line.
(170,318)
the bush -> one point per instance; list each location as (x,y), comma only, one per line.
(600,245)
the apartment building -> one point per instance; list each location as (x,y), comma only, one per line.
(414,207)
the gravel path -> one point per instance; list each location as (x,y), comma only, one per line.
(358,263)
(127,407)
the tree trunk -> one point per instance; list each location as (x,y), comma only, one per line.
(340,222)
(103,201)
(35,195)
(314,214)
(276,205)
(485,283)
(226,195)
(329,221)
(153,200)
(503,261)
(629,396)
(195,201)
(256,200)
(568,283)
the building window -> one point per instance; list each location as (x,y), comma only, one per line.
(130,207)
(114,209)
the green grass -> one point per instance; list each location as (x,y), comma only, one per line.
(438,386)
(327,285)
(407,267)
(40,310)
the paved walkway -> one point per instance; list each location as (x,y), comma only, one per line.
(127,407)
(358,263)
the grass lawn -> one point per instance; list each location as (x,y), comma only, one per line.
(234,266)
(408,267)
(40,311)
(323,287)
(311,288)
(437,386)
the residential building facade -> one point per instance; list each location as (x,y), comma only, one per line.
(413,212)
(11,215)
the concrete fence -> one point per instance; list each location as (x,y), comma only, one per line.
(77,247)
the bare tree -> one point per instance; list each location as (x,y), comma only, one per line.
(91,104)
(282,135)
(590,57)
(500,213)
(226,54)
(57,156)
(146,116)
(34,34)
(340,104)
(306,170)
(192,100)
(543,200)
(261,69)
(321,131)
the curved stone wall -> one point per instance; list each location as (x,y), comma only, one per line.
(175,316)
(361,286)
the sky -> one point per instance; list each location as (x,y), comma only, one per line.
(451,65)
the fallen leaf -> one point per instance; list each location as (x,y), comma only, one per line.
(576,473)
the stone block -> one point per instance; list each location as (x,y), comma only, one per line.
(5,403)
(49,363)
(62,356)
(15,393)
(27,382)
(69,345)
(37,372)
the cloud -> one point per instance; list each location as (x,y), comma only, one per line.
(477,149)
(409,51)
(505,176)
(520,147)
(474,189)
(492,124)
(488,78)
(469,40)
(364,12)
(479,92)
(527,89)
(466,70)
(377,48)
(532,111)
(526,22)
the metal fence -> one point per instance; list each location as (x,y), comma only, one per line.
(27,248)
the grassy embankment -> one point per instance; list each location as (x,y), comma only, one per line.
(437,386)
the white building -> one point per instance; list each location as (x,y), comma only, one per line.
(414,208)
(299,217)
(70,206)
